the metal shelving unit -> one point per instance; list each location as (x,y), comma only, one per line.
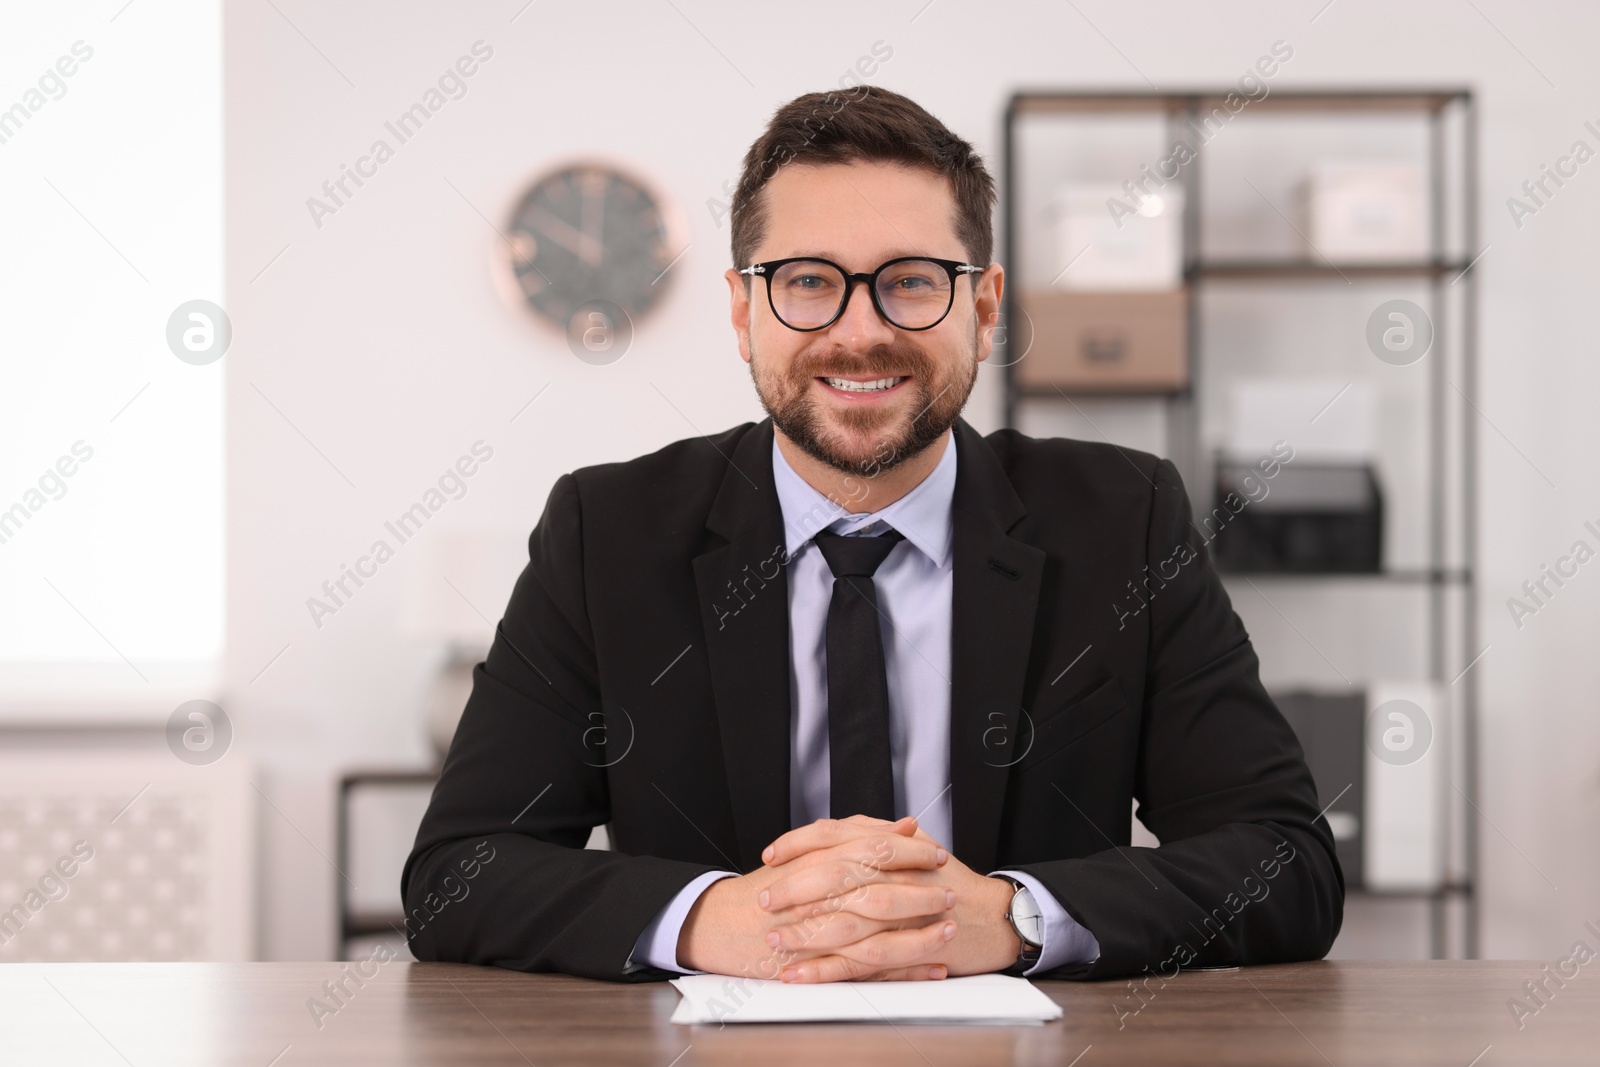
(354,921)
(1449,584)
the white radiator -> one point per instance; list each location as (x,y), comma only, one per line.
(125,857)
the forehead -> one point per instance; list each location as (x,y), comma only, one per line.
(859,214)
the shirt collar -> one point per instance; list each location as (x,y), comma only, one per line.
(922,515)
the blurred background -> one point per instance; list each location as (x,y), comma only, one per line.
(303,309)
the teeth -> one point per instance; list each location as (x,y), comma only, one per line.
(876,386)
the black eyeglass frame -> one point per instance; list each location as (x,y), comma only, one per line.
(768,268)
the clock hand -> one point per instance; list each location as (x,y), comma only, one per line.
(567,236)
(591,222)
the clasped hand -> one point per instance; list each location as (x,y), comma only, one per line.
(854,899)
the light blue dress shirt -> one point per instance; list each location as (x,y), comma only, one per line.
(914,586)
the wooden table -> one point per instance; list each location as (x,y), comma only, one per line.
(256,1014)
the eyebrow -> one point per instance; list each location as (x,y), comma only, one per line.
(808,253)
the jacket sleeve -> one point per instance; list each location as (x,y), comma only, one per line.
(1246,871)
(521,787)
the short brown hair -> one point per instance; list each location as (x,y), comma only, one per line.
(865,123)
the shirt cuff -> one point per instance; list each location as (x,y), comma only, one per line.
(658,945)
(1065,939)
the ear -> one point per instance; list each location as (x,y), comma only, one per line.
(986,307)
(739,311)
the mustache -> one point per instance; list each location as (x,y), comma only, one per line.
(880,362)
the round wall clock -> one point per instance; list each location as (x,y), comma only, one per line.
(591,235)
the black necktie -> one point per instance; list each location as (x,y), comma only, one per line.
(861,776)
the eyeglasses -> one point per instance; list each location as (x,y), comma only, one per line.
(911,292)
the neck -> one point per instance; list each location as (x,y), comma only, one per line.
(859,493)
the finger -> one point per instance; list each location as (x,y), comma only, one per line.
(835,885)
(825,833)
(897,900)
(884,951)
(885,902)
(843,874)
(824,927)
(869,820)
(929,972)
(824,931)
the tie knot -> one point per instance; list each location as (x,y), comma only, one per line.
(857,557)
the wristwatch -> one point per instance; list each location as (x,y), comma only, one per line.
(1028,921)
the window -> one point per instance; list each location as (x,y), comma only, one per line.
(111,447)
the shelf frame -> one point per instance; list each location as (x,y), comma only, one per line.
(1440,272)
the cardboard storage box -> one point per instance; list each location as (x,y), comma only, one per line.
(1098,249)
(1366,212)
(1107,342)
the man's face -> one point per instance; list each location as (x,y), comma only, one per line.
(860,215)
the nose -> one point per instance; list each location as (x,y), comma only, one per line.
(860,327)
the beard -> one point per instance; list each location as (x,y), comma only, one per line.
(858,439)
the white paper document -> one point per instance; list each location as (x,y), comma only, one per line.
(980,998)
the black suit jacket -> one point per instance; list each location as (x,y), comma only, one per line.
(640,678)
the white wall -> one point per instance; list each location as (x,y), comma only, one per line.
(379,337)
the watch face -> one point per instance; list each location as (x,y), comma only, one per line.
(590,233)
(1026,917)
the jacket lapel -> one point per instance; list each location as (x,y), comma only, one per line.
(744,597)
(995,598)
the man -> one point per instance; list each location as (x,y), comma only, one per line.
(860,693)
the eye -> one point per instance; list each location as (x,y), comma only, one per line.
(910,279)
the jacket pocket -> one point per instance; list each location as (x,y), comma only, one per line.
(1056,728)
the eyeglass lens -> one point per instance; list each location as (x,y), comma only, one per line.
(914,293)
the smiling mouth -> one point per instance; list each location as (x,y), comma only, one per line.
(875,385)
